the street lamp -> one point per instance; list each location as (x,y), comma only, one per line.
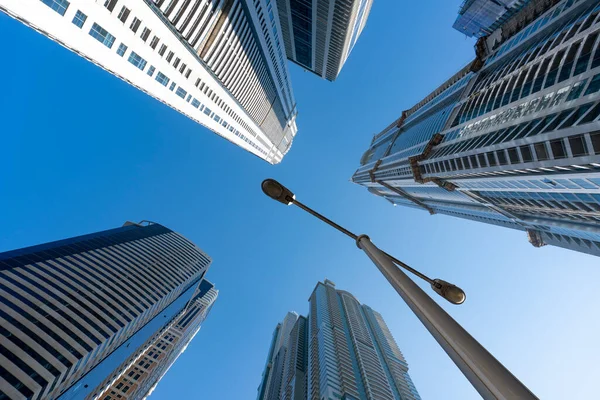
(487,375)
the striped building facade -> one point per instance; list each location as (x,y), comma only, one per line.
(74,310)
(219,62)
(513,139)
(342,350)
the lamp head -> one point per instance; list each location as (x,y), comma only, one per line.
(277,191)
(450,292)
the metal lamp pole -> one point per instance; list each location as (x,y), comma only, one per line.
(487,375)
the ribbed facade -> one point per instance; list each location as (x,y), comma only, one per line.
(513,139)
(219,62)
(73,310)
(320,34)
(138,376)
(342,350)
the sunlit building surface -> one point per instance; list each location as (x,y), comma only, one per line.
(513,139)
(211,60)
(341,350)
(74,311)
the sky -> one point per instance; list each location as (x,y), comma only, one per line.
(82,151)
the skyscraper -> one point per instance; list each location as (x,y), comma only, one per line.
(513,139)
(73,311)
(137,377)
(320,34)
(219,62)
(342,350)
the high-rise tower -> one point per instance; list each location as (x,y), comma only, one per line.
(219,62)
(320,34)
(513,139)
(137,377)
(74,311)
(342,350)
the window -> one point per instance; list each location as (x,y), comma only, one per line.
(594,85)
(526,154)
(181,93)
(585,55)
(596,141)
(565,72)
(188,100)
(154,42)
(79,18)
(102,35)
(60,6)
(121,50)
(182,68)
(501,157)
(554,69)
(110,4)
(558,148)
(136,60)
(540,150)
(145,34)
(162,79)
(513,155)
(162,50)
(176,62)
(576,90)
(124,14)
(197,82)
(195,103)
(187,74)
(170,56)
(173,84)
(578,146)
(151,70)
(135,24)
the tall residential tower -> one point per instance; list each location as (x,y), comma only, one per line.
(341,350)
(78,313)
(513,139)
(219,62)
(320,34)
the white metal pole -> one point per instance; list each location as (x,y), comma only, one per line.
(489,377)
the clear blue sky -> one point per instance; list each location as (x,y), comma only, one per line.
(82,151)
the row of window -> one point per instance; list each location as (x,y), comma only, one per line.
(104,37)
(543,74)
(526,33)
(592,245)
(543,44)
(575,116)
(541,151)
(546,183)
(575,206)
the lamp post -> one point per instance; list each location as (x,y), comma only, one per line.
(487,375)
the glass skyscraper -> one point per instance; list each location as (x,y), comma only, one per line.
(320,34)
(512,139)
(77,312)
(219,62)
(341,350)
(137,377)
